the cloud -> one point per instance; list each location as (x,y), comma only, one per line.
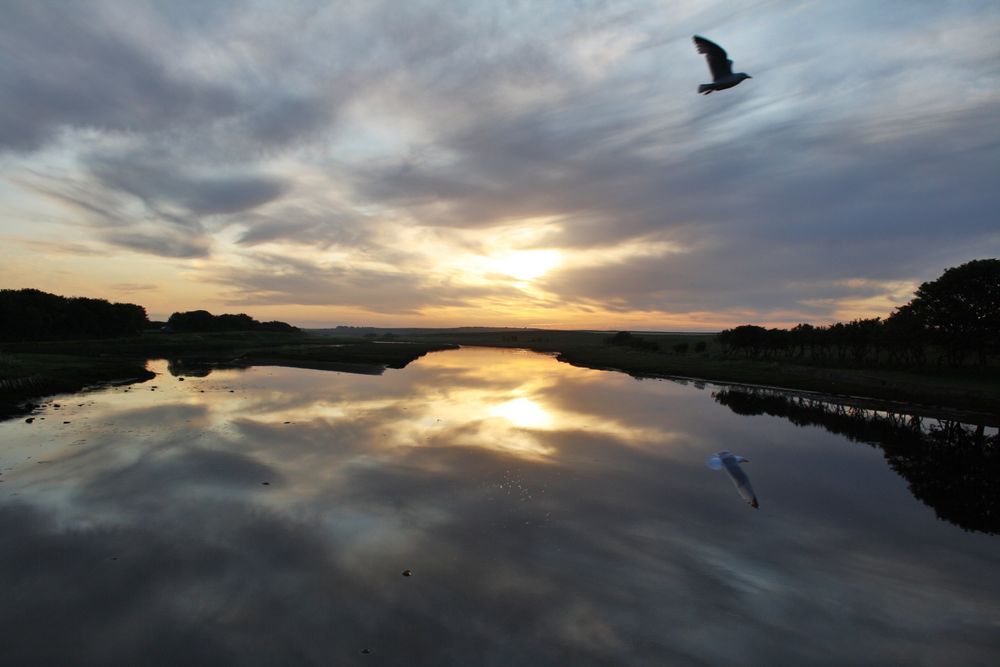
(161,183)
(272,279)
(162,243)
(133,287)
(151,541)
(349,131)
(68,67)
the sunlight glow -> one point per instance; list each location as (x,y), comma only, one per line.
(523,412)
(525,265)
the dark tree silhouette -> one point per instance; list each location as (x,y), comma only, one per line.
(951,316)
(747,338)
(204,321)
(627,339)
(30,314)
(961,309)
(905,337)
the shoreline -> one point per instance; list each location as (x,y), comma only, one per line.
(33,371)
(946,394)
(848,400)
(917,401)
(18,395)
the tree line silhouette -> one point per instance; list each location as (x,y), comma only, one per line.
(953,320)
(31,314)
(204,321)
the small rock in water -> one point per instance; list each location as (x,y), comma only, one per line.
(55,405)
(231,391)
(266,483)
(407,573)
(288,422)
(29,420)
(366,651)
(79,405)
(65,422)
(180,379)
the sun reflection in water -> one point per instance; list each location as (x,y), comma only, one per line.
(523,412)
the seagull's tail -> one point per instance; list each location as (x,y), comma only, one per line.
(705,88)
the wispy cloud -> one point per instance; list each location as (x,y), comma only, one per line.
(382,157)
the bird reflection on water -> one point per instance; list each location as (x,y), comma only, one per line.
(731,463)
(951,466)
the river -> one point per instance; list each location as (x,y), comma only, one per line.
(489,507)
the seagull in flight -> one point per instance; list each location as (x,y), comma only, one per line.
(719,64)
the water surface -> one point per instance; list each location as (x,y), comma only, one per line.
(549,515)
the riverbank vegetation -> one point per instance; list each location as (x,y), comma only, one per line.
(951,322)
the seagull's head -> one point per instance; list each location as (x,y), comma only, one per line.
(744,75)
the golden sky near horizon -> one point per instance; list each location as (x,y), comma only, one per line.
(469,163)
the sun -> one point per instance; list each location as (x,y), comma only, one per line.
(524,265)
(523,412)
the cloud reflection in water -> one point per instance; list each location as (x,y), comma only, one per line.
(576,525)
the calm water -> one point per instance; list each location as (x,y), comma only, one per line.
(550,515)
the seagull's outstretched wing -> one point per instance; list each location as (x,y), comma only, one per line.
(731,462)
(718,62)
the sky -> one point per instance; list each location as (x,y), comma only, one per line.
(497,163)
